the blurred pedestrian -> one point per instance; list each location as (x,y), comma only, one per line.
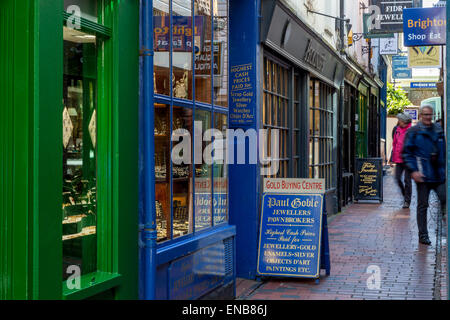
(424,155)
(404,123)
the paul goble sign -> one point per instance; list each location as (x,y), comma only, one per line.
(291,228)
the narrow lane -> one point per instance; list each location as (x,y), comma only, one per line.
(371,236)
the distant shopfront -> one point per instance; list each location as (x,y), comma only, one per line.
(297,80)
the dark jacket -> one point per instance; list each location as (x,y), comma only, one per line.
(424,151)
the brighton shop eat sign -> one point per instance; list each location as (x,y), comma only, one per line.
(424,26)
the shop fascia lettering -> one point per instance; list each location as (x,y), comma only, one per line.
(313,57)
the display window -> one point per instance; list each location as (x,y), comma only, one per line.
(80,151)
(281,111)
(321,132)
(191,97)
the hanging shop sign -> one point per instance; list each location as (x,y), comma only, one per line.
(369,179)
(389,45)
(423,85)
(369,28)
(424,57)
(400,68)
(292,228)
(386,16)
(182,35)
(424,26)
(413,113)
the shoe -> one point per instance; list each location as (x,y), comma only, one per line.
(405,205)
(425,240)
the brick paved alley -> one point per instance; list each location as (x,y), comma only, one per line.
(363,235)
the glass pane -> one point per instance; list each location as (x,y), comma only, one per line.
(162,171)
(296,88)
(182,171)
(161,38)
(203,183)
(220,174)
(203,59)
(317,121)
(87,8)
(182,39)
(79,152)
(296,115)
(221,53)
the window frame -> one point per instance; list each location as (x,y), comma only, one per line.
(294,107)
(194,105)
(326,110)
(117,262)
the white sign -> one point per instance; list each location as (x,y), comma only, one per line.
(389,45)
(294,186)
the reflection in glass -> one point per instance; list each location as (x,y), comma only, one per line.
(161,46)
(221,53)
(79,207)
(182,173)
(203,49)
(182,40)
(220,174)
(203,183)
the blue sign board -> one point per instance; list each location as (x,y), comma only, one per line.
(400,68)
(424,26)
(413,113)
(423,85)
(290,235)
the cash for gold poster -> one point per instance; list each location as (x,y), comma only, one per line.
(424,57)
(290,235)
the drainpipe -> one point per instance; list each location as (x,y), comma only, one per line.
(448,142)
(341,107)
(148,229)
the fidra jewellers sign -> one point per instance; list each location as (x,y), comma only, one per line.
(386,16)
(291,228)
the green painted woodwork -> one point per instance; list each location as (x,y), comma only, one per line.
(361,133)
(31,69)
(14,152)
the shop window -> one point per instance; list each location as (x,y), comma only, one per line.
(321,132)
(191,86)
(281,111)
(80,151)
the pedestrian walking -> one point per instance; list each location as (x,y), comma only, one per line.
(424,155)
(404,123)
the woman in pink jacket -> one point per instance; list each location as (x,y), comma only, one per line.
(404,123)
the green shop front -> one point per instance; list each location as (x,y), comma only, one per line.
(69,79)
